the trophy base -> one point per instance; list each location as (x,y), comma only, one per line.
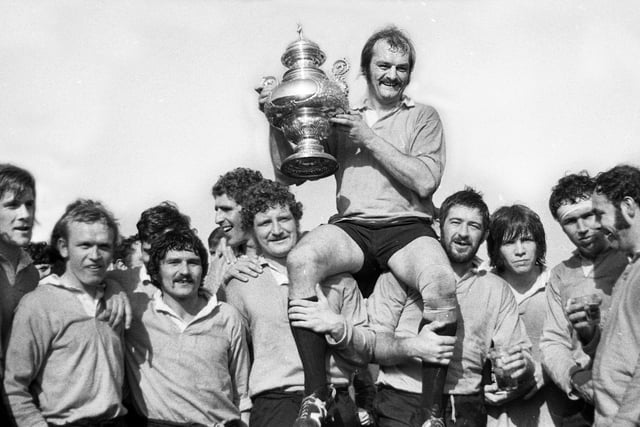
(309,166)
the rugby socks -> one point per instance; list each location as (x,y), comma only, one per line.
(312,349)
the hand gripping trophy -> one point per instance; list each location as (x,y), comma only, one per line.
(302,104)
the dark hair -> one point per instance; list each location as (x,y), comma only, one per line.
(16,180)
(124,250)
(160,218)
(264,195)
(396,38)
(619,182)
(175,239)
(512,222)
(85,211)
(42,253)
(571,189)
(234,183)
(469,198)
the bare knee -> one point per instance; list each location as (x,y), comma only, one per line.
(303,257)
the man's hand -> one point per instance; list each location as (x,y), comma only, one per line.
(317,316)
(242,269)
(117,307)
(582,384)
(359,131)
(431,347)
(495,397)
(582,321)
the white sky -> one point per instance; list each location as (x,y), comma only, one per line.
(136,102)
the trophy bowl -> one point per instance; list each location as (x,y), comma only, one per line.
(302,105)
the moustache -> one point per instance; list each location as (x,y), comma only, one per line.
(390,82)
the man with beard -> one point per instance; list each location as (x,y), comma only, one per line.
(63,365)
(487,314)
(391,156)
(186,354)
(616,369)
(593,268)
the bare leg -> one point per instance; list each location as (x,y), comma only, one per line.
(423,265)
(321,253)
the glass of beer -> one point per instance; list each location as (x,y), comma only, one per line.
(591,305)
(501,370)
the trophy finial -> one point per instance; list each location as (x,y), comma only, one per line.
(300,32)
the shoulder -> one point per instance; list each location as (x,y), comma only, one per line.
(229,315)
(424,111)
(45,298)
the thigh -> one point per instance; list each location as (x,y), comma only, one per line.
(423,263)
(274,412)
(332,249)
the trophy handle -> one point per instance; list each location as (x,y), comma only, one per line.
(339,70)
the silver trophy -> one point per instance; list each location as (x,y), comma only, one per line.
(303,103)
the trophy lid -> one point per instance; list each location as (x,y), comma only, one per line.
(302,53)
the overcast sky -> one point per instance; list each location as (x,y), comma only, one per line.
(136,102)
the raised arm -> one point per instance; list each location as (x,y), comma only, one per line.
(419,170)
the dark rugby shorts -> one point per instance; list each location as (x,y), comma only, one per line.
(379,241)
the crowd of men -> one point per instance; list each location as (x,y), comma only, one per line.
(272,327)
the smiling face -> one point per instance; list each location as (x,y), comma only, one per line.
(180,274)
(88,252)
(275,232)
(462,233)
(578,221)
(610,221)
(17,214)
(389,73)
(519,254)
(229,217)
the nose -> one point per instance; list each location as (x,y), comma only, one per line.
(581,226)
(519,247)
(24,211)
(184,268)
(94,253)
(219,217)
(275,227)
(463,231)
(392,73)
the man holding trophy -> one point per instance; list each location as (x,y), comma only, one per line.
(390,157)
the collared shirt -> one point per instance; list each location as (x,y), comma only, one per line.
(162,307)
(14,284)
(576,276)
(187,372)
(55,347)
(89,303)
(488,312)
(616,368)
(262,301)
(365,191)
